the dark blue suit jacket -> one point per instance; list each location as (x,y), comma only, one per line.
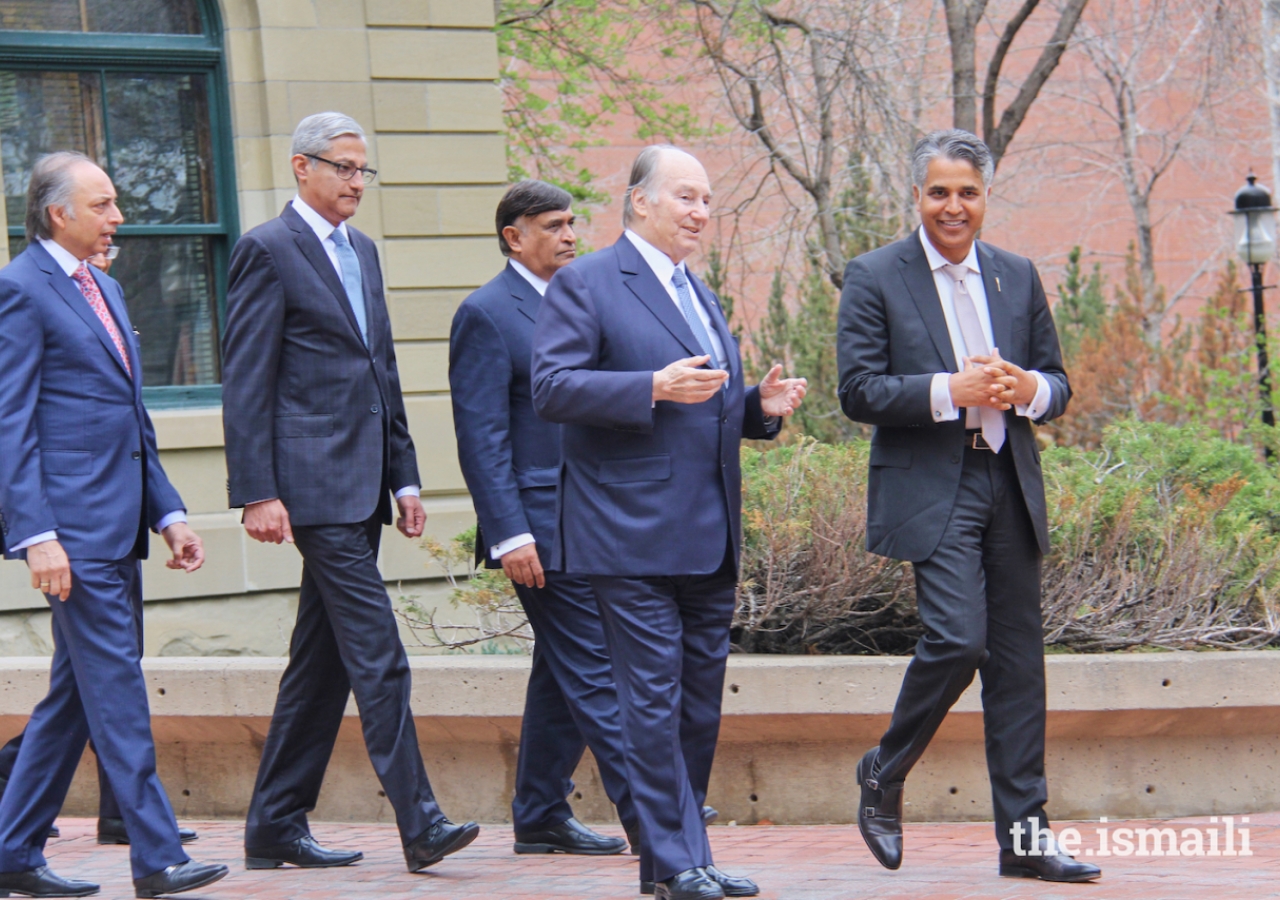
(644,490)
(510,457)
(77,450)
(312,415)
(892,339)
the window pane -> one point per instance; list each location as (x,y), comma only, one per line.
(109,16)
(161,152)
(168,287)
(41,112)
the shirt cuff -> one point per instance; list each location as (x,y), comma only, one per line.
(411,490)
(35,539)
(940,398)
(502,548)
(178,515)
(1039,405)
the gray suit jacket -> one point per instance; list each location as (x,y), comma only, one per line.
(311,414)
(892,340)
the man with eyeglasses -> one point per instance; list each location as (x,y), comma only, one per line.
(317,444)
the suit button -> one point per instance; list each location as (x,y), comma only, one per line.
(137,455)
(955,457)
(373,409)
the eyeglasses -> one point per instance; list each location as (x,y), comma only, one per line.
(346,171)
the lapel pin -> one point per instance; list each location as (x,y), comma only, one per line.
(998,291)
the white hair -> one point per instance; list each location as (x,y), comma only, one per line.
(316,134)
(644,172)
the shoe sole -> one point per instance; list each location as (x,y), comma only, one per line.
(463,839)
(861,830)
(1024,872)
(257,862)
(522,847)
(109,841)
(150,895)
(13,893)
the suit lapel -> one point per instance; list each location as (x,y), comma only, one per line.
(67,289)
(314,251)
(530,301)
(914,266)
(649,291)
(121,314)
(997,306)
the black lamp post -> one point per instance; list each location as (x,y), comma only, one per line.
(1255,220)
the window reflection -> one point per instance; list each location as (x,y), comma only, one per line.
(102,16)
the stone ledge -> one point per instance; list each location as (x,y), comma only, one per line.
(1160,734)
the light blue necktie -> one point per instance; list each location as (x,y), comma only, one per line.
(695,321)
(351,279)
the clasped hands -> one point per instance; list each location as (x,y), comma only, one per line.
(51,570)
(993,382)
(684,381)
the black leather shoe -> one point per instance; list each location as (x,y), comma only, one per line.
(691,884)
(185,876)
(570,836)
(437,842)
(880,813)
(112,831)
(42,882)
(54,832)
(731,885)
(304,853)
(709,814)
(1051,865)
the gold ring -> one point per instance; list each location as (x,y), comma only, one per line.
(44,584)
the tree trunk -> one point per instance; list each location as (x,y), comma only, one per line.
(962,25)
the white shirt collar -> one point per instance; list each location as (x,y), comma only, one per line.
(937,260)
(323,228)
(661,264)
(539,284)
(61,255)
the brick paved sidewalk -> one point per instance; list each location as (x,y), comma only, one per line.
(943,862)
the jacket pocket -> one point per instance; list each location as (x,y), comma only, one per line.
(892,457)
(644,468)
(535,478)
(67,462)
(304,426)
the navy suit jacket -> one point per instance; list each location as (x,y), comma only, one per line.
(311,415)
(645,489)
(892,339)
(77,450)
(510,457)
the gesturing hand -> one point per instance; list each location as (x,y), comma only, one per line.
(1020,385)
(50,569)
(186,546)
(522,566)
(268,521)
(413,518)
(781,396)
(977,385)
(684,382)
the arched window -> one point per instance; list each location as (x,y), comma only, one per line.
(139,86)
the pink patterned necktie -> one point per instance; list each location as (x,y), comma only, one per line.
(89,287)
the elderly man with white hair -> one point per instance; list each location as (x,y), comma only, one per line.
(317,448)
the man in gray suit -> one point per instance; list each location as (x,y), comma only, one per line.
(317,444)
(946,345)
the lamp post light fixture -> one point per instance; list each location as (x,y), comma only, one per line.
(1255,221)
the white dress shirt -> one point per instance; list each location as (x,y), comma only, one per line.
(940,388)
(324,230)
(664,268)
(68,263)
(502,548)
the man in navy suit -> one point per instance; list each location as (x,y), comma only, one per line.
(317,444)
(632,354)
(510,459)
(81,485)
(947,346)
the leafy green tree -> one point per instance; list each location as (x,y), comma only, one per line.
(1082,304)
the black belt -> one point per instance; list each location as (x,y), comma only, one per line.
(974,439)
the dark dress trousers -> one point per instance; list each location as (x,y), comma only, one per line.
(648,506)
(78,456)
(510,459)
(314,416)
(972,522)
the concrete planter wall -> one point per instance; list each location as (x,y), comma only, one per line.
(1130,735)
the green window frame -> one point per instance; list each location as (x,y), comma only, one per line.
(199,55)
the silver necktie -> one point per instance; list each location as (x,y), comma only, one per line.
(975,341)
